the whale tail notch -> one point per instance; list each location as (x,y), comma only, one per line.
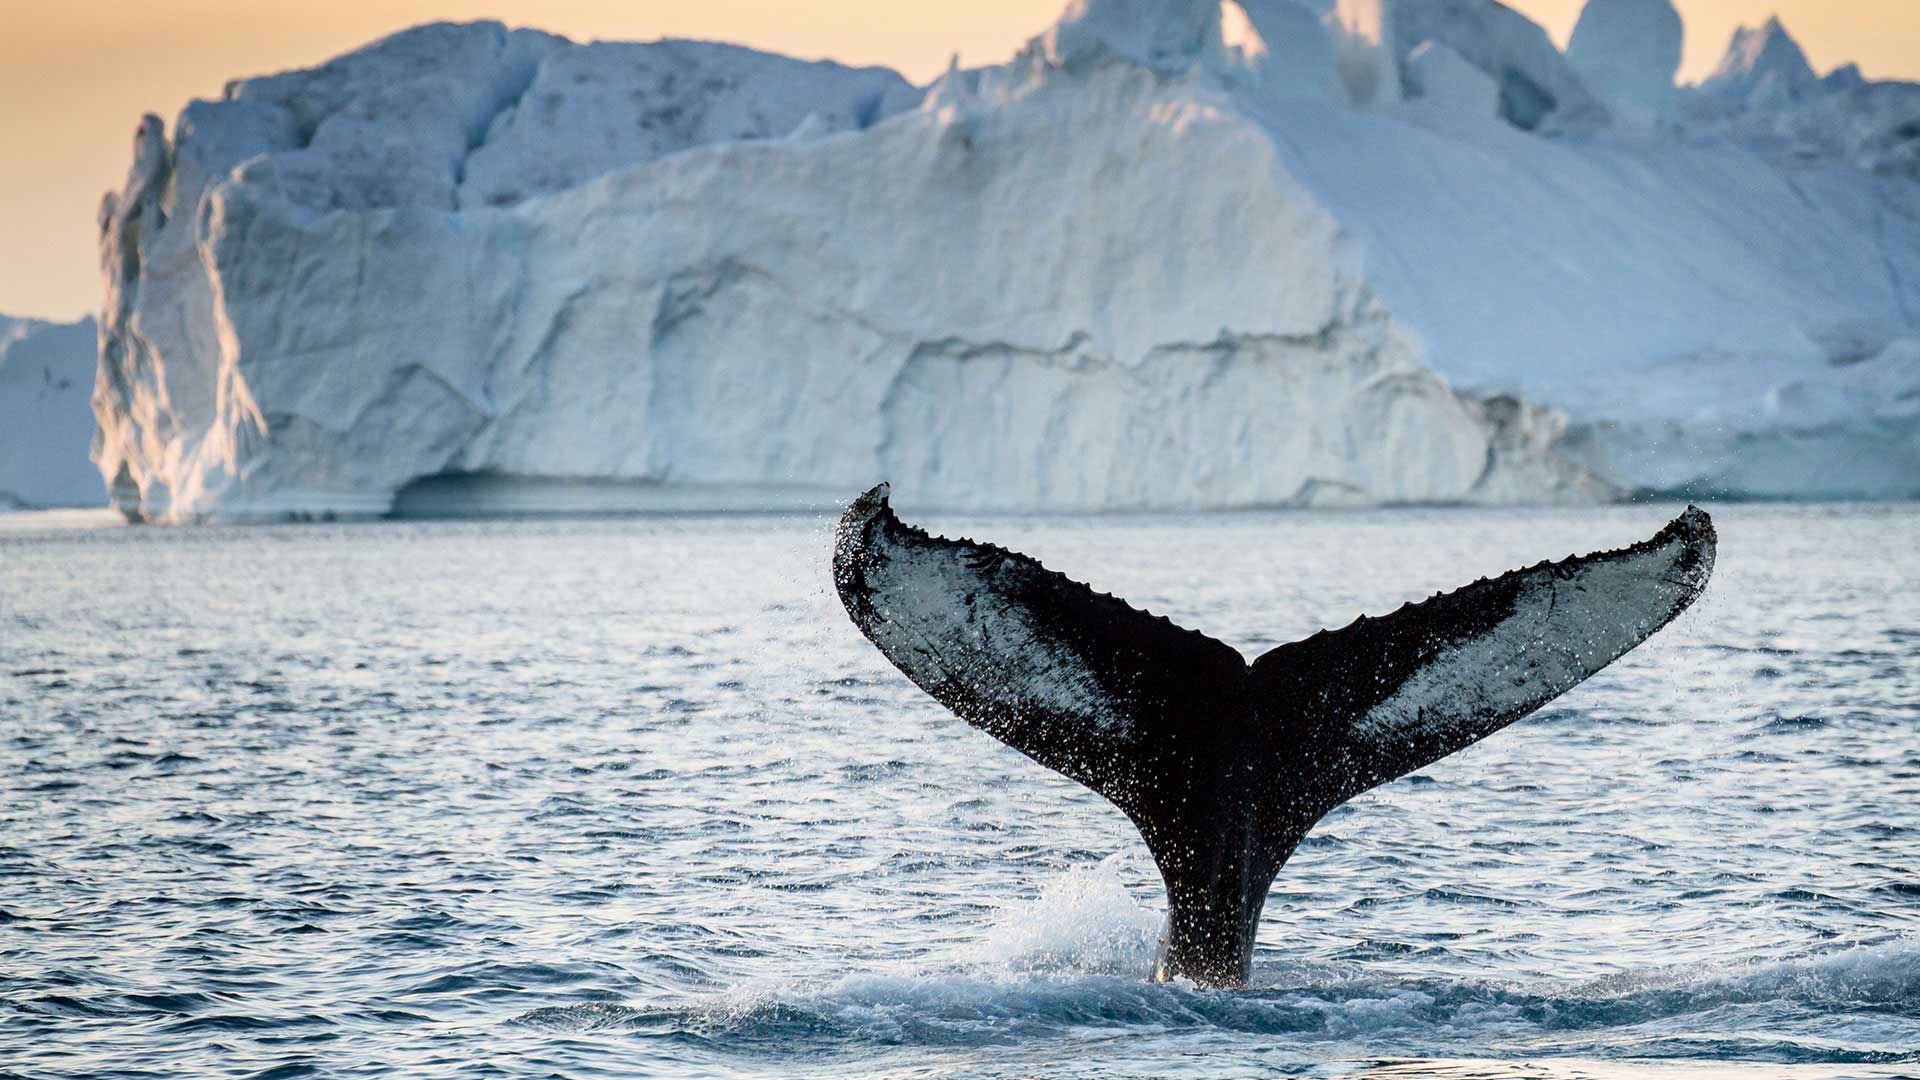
(1223,765)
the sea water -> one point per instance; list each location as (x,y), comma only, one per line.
(631,797)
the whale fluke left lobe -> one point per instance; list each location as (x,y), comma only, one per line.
(1225,767)
(1080,681)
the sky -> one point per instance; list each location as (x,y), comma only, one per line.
(75,77)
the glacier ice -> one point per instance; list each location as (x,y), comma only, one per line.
(1441,77)
(46,423)
(1539,89)
(1766,96)
(1366,51)
(1628,52)
(1763,67)
(1166,257)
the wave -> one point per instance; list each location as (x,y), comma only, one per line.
(1078,959)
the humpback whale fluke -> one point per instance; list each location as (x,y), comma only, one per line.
(1224,765)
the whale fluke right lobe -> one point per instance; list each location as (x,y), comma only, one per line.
(1225,766)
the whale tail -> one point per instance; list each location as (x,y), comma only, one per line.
(1223,765)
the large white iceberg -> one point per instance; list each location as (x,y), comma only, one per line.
(46,424)
(1167,257)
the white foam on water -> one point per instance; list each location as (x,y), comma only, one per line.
(1083,926)
(1078,957)
(1878,974)
(1083,922)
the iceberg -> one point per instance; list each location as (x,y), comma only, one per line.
(1628,51)
(1539,88)
(1765,96)
(1763,67)
(1183,255)
(1437,75)
(46,423)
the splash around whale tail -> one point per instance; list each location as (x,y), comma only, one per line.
(1224,765)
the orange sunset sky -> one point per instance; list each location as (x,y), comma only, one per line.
(75,76)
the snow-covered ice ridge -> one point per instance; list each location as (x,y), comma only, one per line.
(1175,254)
(46,423)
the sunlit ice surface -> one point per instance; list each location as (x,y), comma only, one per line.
(631,797)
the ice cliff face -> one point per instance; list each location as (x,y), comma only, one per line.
(46,379)
(1170,256)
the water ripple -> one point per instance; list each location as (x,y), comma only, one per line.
(630,797)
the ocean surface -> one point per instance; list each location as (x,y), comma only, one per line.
(631,797)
